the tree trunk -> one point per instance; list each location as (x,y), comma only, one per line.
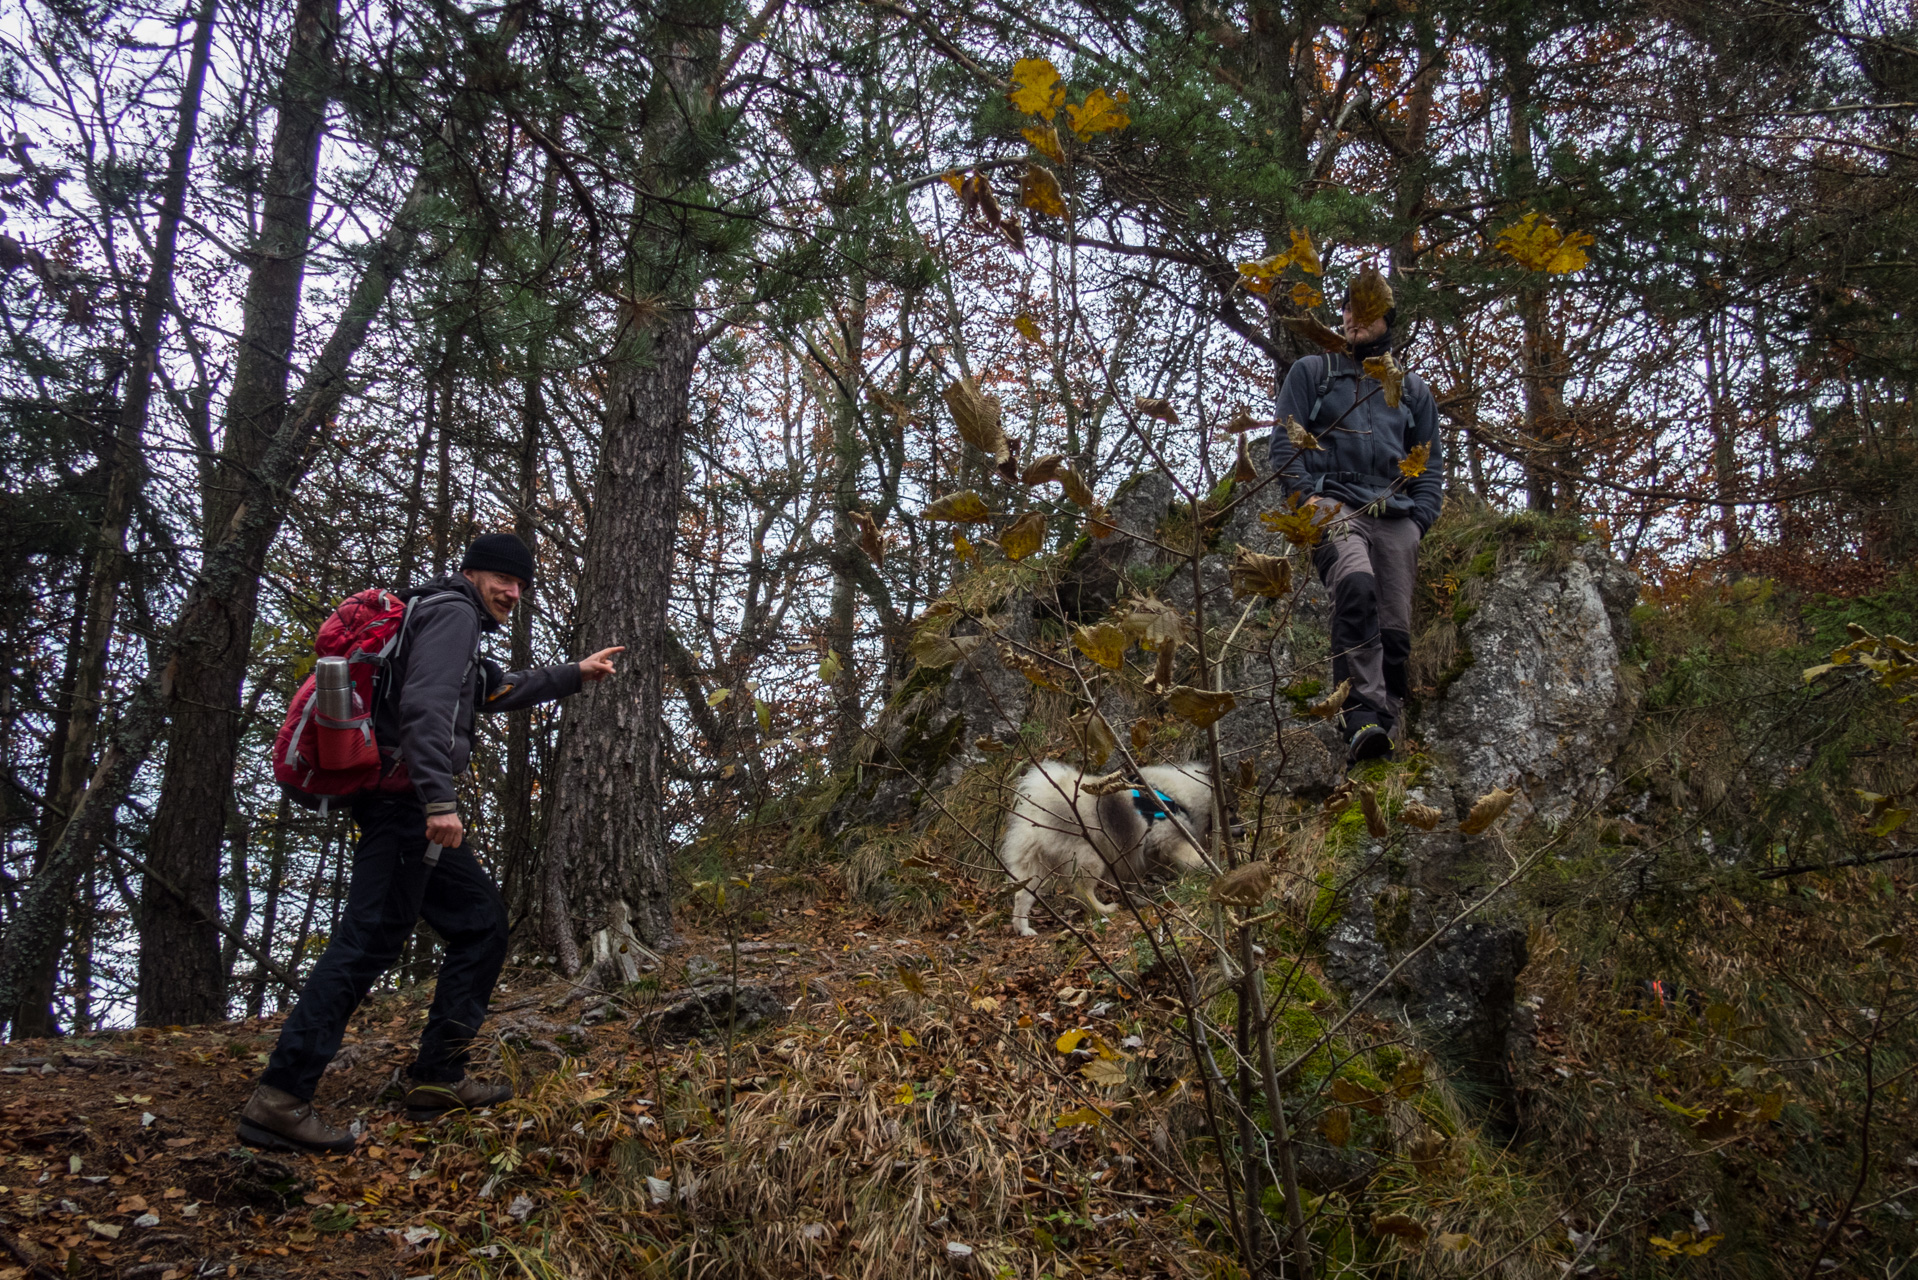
(125,469)
(270,919)
(607,790)
(182,979)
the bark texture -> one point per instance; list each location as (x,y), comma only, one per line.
(606,821)
(182,976)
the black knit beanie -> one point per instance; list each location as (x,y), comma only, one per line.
(500,553)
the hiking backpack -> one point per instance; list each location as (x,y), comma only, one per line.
(317,757)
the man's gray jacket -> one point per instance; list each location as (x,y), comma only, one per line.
(1357,461)
(440,684)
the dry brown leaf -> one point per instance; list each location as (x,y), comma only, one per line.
(869,536)
(1340,800)
(1200,706)
(1332,703)
(1075,490)
(1244,886)
(1099,521)
(1094,736)
(1105,644)
(1140,735)
(1243,421)
(1253,574)
(1335,1123)
(1301,439)
(1422,816)
(1044,672)
(1162,669)
(1391,379)
(933,647)
(1374,815)
(1105,784)
(1023,536)
(1371,296)
(963,507)
(991,746)
(1489,808)
(1404,1226)
(1104,1073)
(1015,235)
(1312,331)
(1243,472)
(1154,623)
(978,417)
(1040,470)
(1160,409)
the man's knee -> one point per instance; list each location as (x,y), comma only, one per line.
(1355,610)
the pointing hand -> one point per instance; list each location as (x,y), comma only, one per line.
(600,665)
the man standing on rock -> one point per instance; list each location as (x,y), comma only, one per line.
(1346,466)
(409,862)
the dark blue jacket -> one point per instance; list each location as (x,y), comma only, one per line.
(1358,458)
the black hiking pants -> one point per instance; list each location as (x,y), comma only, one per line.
(392,889)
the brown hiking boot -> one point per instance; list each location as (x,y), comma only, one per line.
(431,1101)
(277,1121)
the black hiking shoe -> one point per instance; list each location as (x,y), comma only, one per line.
(1368,742)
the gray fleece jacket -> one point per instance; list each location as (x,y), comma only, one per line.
(441,683)
(1361,440)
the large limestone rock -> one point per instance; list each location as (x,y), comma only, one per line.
(1545,702)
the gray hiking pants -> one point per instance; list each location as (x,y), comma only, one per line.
(1368,564)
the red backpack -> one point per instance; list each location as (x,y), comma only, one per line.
(316,757)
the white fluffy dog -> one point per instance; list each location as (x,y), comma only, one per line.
(1060,831)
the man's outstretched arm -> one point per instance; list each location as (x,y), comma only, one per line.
(518,689)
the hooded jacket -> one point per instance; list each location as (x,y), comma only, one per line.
(441,683)
(1357,461)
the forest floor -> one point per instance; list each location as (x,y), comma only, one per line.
(911,1110)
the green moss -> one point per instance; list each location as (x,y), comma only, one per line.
(1483,565)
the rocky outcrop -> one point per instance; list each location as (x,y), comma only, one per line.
(1545,701)
(1535,696)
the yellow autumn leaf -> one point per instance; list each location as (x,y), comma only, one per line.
(1305,295)
(1023,536)
(1371,296)
(1100,113)
(1489,809)
(1040,192)
(718,696)
(1412,465)
(830,666)
(1200,706)
(1391,379)
(903,1096)
(1045,140)
(1105,644)
(1454,1241)
(963,548)
(1028,328)
(1069,1041)
(908,1039)
(963,507)
(955,181)
(1304,253)
(1536,243)
(1084,1115)
(1258,276)
(1035,87)
(909,979)
(1302,526)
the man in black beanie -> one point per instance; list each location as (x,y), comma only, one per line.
(409,862)
(1375,514)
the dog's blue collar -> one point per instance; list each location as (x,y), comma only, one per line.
(1154,805)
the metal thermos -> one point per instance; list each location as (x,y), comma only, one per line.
(333,686)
